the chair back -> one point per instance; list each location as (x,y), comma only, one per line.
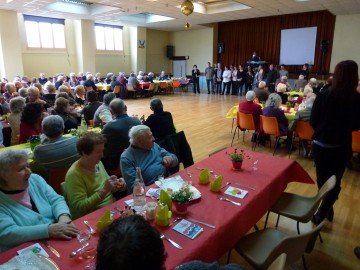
(55,177)
(279,263)
(91,123)
(151,87)
(324,190)
(163,85)
(130,87)
(356,141)
(269,125)
(176,84)
(304,130)
(117,89)
(245,121)
(295,246)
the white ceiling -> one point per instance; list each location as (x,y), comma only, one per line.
(114,10)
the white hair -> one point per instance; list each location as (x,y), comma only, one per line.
(301,77)
(281,87)
(250,96)
(136,133)
(310,98)
(308,89)
(274,100)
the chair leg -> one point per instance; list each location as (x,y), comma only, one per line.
(277,221)
(266,220)
(228,256)
(256,227)
(232,125)
(298,227)
(304,261)
(276,143)
(321,240)
(243,135)
(233,136)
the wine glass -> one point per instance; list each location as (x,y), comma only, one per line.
(255,165)
(88,250)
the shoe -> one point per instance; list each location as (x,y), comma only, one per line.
(317,219)
(357,252)
(330,215)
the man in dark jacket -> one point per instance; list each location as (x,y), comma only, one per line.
(271,78)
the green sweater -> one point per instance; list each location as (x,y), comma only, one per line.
(81,190)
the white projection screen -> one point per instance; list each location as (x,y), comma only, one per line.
(297,46)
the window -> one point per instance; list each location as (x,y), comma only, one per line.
(108,37)
(42,32)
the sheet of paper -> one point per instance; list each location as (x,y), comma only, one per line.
(236,192)
(35,248)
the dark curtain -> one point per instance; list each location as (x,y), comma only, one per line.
(241,38)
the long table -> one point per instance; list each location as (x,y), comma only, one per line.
(232,222)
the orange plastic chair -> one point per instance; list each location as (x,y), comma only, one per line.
(356,141)
(303,131)
(176,85)
(163,86)
(244,121)
(270,126)
(130,89)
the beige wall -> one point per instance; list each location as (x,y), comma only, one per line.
(197,44)
(156,60)
(346,44)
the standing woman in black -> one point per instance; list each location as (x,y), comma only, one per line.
(195,76)
(335,114)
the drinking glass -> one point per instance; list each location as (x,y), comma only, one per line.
(255,165)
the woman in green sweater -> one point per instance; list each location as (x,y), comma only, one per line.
(87,184)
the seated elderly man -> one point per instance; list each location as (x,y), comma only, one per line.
(56,151)
(144,153)
(89,83)
(133,81)
(103,113)
(160,122)
(300,83)
(29,208)
(163,76)
(116,133)
(262,93)
(34,96)
(59,81)
(10,91)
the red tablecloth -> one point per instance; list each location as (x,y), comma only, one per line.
(144,85)
(231,221)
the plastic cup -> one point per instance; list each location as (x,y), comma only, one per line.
(151,210)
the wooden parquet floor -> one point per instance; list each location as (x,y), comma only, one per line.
(202,117)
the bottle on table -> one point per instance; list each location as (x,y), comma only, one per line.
(83,125)
(139,195)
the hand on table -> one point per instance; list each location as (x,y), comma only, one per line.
(168,161)
(63,231)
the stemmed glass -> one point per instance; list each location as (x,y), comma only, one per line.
(88,251)
(254,165)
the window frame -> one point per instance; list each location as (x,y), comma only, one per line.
(51,22)
(113,27)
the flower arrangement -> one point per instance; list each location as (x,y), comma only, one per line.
(289,104)
(75,132)
(34,139)
(184,195)
(238,156)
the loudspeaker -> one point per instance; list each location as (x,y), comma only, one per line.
(169,51)
(324,45)
(220,48)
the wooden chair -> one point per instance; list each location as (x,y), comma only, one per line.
(244,121)
(303,131)
(149,92)
(117,90)
(298,207)
(131,90)
(55,177)
(163,87)
(270,126)
(262,248)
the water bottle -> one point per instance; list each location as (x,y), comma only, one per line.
(83,125)
(139,193)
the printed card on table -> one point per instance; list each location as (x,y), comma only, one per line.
(236,192)
(188,228)
(35,248)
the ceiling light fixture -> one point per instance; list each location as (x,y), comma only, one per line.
(187,25)
(187,7)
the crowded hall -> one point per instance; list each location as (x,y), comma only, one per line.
(179,134)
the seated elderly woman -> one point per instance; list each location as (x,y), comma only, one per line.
(29,208)
(250,107)
(272,109)
(51,95)
(87,184)
(62,109)
(281,91)
(31,121)
(47,153)
(144,153)
(91,107)
(103,113)
(80,95)
(17,105)
(301,100)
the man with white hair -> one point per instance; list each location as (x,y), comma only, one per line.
(144,153)
(261,92)
(300,83)
(59,81)
(89,83)
(304,115)
(10,91)
(42,79)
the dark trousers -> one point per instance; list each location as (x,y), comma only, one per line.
(328,162)
(210,83)
(241,84)
(218,87)
(226,88)
(196,85)
(248,86)
(271,87)
(234,88)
